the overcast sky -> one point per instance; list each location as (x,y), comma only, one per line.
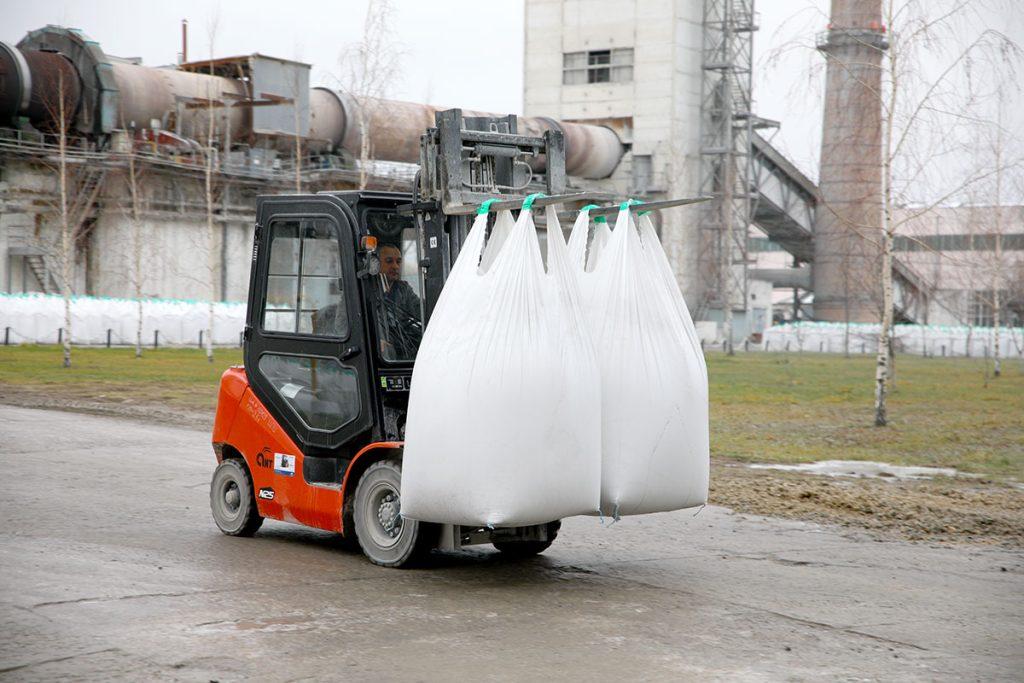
(467,54)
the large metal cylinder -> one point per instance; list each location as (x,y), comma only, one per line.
(395,128)
(32,82)
(53,78)
(109,94)
(847,234)
(162,95)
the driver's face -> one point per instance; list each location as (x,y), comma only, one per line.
(391,263)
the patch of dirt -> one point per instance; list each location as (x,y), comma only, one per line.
(958,510)
(25,397)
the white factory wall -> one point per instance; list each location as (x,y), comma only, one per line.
(175,258)
(28,221)
(175,244)
(662,101)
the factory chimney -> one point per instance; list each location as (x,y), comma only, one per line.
(847,239)
(184,41)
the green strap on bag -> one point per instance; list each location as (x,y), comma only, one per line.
(485,207)
(528,202)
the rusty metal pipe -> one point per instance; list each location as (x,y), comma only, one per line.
(336,119)
(30,82)
(169,96)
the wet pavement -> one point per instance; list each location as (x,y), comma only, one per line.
(110,567)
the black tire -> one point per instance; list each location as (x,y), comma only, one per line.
(385,537)
(232,501)
(523,549)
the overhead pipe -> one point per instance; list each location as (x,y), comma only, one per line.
(113,93)
(395,128)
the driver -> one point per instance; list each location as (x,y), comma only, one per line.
(397,292)
(402,328)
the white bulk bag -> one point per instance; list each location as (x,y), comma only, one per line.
(653,378)
(503,423)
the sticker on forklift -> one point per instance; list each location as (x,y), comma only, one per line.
(266,494)
(395,383)
(290,390)
(284,464)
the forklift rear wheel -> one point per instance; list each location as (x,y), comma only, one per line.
(529,548)
(232,500)
(385,537)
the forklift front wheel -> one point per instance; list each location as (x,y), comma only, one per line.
(385,536)
(232,501)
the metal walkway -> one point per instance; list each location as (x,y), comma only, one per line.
(785,205)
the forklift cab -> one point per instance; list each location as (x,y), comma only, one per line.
(335,316)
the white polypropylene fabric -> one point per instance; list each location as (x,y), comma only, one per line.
(654,415)
(37,318)
(503,422)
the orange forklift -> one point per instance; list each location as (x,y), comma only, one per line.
(310,430)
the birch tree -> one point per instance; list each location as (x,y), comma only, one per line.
(137,275)
(209,168)
(369,69)
(297,84)
(78,186)
(997,270)
(67,256)
(921,114)
(997,278)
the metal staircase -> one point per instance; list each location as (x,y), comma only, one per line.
(82,212)
(35,258)
(37,263)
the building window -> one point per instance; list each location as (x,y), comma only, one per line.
(980,312)
(598,66)
(982,308)
(762,244)
(957,242)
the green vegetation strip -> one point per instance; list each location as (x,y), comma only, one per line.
(172,378)
(765,407)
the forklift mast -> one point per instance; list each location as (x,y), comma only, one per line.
(465,161)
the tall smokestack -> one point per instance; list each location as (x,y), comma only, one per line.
(847,239)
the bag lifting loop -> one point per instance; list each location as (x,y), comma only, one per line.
(528,202)
(486,206)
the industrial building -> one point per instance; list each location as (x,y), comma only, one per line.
(655,99)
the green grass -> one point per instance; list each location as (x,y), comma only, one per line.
(173,377)
(803,407)
(764,407)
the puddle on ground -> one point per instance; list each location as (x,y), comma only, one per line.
(864,468)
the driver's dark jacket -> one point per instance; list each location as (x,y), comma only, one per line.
(403,299)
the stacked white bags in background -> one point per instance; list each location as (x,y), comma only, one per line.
(514,417)
(36,319)
(503,415)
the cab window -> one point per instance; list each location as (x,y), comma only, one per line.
(304,284)
(397,290)
(322,392)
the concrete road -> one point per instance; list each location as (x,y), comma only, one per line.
(110,567)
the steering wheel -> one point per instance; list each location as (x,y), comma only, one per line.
(403,331)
